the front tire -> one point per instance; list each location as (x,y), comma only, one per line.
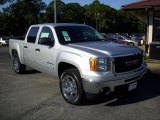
(132,44)
(17,66)
(71,86)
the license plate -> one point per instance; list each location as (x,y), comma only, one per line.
(132,86)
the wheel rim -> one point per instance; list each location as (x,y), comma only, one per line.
(16,64)
(69,88)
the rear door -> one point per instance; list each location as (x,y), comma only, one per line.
(29,47)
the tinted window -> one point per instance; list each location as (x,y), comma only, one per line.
(73,34)
(46,36)
(32,34)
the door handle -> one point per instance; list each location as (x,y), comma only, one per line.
(37,49)
(25,47)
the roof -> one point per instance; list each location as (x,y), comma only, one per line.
(59,24)
(142,4)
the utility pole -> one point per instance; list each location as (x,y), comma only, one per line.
(55,12)
(97,17)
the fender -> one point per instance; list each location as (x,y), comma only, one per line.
(71,58)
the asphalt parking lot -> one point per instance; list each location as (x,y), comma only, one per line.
(36,96)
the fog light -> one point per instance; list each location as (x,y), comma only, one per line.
(105,91)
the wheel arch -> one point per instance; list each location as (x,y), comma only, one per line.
(14,51)
(62,66)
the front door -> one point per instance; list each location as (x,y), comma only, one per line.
(45,51)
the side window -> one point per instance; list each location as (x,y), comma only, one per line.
(46,37)
(32,34)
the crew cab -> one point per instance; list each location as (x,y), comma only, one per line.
(85,62)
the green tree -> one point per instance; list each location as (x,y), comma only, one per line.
(48,16)
(73,12)
(5,1)
(107,19)
(20,15)
(98,15)
(126,23)
(16,18)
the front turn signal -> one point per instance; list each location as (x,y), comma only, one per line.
(93,64)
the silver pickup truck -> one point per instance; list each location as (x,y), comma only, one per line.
(85,63)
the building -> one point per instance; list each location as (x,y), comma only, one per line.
(147,11)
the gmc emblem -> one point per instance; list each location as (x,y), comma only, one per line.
(131,62)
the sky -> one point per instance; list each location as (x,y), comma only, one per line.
(113,3)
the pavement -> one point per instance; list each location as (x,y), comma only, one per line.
(36,96)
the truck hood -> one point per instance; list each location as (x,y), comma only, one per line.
(105,48)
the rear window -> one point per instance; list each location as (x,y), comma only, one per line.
(32,34)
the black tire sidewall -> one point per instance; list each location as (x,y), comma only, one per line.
(14,58)
(21,67)
(76,76)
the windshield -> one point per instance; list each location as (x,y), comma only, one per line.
(74,34)
(126,37)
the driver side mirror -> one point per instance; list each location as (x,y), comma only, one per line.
(46,41)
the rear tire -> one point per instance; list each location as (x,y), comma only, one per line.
(71,86)
(17,66)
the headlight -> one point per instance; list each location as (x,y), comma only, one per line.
(100,64)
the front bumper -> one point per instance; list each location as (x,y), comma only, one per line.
(95,82)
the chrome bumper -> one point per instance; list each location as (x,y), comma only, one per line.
(94,83)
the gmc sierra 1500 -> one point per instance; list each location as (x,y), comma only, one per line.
(85,63)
